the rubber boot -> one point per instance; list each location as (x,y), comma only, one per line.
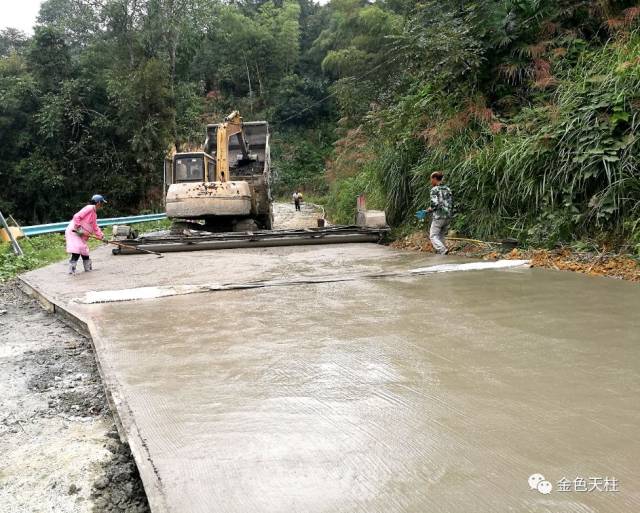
(72,266)
(87,265)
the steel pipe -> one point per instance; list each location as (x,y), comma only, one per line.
(166,247)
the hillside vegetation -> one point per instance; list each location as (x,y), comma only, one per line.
(530,107)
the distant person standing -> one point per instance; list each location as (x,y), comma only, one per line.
(297,199)
(441,208)
(82,226)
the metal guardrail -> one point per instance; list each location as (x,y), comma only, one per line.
(41,229)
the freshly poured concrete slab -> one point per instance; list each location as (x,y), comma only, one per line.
(222,266)
(427,393)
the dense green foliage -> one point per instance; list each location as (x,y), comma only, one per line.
(530,107)
(103,90)
(300,156)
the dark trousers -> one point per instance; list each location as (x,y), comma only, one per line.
(297,203)
(76,256)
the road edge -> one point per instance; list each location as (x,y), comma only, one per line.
(122,416)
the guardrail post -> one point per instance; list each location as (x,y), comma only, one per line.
(14,243)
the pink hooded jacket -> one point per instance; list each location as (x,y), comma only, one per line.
(87,219)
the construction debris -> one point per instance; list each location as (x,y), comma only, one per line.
(623,267)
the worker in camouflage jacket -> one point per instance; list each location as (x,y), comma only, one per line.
(441,208)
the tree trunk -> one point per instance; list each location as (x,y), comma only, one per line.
(248,80)
(259,80)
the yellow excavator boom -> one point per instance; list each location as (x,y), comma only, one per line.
(232,126)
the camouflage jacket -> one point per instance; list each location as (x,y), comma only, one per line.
(441,202)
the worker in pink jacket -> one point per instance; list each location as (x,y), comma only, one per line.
(82,226)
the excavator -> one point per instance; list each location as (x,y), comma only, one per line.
(225,187)
(220,198)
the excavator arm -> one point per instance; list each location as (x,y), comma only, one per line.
(232,126)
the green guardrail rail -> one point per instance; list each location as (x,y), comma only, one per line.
(41,229)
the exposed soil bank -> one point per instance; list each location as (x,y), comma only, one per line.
(612,265)
(60,450)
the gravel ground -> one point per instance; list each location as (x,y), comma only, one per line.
(286,217)
(60,450)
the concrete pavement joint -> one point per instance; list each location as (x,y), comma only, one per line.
(110,296)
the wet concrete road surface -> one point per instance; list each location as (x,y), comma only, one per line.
(439,393)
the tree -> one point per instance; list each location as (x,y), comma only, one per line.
(78,21)
(12,41)
(49,58)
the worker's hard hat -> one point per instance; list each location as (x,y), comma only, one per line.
(98,198)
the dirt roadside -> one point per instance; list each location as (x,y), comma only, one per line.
(60,449)
(611,265)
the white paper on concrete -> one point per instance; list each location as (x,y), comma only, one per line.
(471,266)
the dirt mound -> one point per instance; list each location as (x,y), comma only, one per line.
(623,267)
(119,490)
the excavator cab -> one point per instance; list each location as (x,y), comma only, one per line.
(190,167)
